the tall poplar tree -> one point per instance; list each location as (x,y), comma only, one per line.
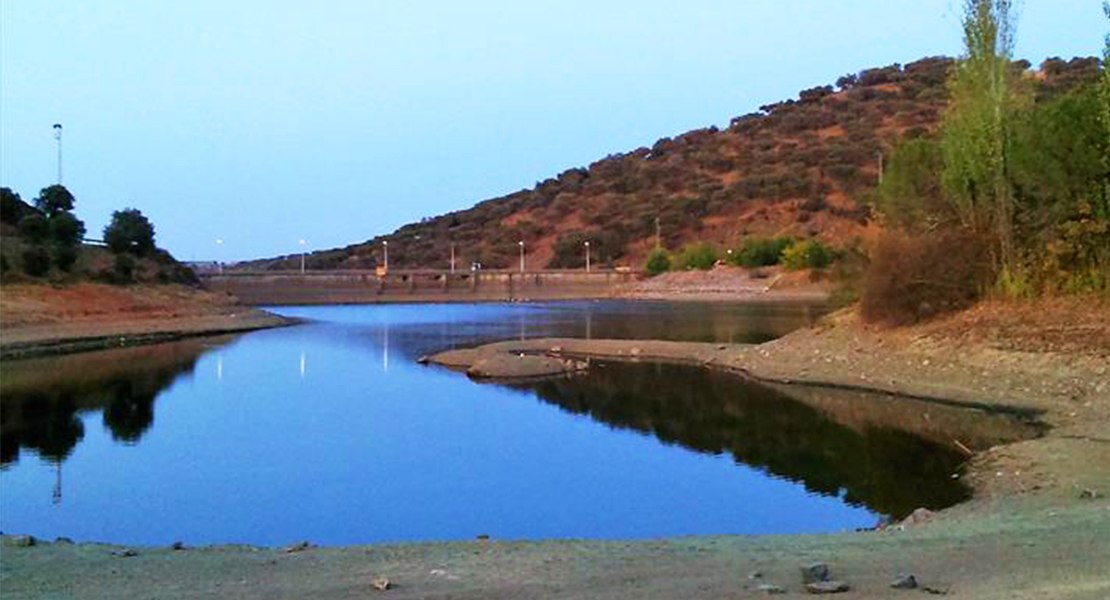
(985,94)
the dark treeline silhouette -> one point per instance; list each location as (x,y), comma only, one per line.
(46,419)
(889,471)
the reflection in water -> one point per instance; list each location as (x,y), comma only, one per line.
(42,398)
(882,463)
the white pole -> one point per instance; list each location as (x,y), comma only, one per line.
(58,136)
(521,255)
(385,254)
(219,261)
(302,257)
(587,257)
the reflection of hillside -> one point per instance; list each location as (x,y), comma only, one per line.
(891,471)
(40,398)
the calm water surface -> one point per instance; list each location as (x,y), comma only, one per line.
(331,432)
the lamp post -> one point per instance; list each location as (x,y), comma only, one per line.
(302,257)
(385,254)
(58,137)
(521,243)
(587,257)
(219,262)
(452,259)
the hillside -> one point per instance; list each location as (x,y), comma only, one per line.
(802,167)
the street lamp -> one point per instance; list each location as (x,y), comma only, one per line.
(302,257)
(452,259)
(385,254)
(521,243)
(219,263)
(587,256)
(58,137)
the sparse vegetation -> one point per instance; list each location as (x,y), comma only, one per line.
(806,254)
(700,256)
(761,251)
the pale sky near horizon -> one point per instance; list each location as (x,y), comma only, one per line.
(265,122)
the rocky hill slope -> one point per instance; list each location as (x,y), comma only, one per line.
(802,167)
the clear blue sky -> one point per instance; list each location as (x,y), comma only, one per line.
(263,122)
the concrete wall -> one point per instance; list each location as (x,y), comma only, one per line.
(365,287)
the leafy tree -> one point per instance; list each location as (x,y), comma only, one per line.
(12,207)
(911,196)
(66,229)
(984,96)
(65,257)
(34,228)
(54,199)
(130,231)
(658,261)
(36,261)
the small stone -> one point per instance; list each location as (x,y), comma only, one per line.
(722,346)
(828,587)
(178,546)
(770,589)
(634,352)
(381,584)
(815,572)
(298,547)
(904,581)
(918,516)
(1086,494)
(556,349)
(756,575)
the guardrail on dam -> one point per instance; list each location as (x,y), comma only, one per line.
(367,287)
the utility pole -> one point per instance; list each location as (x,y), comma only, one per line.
(452,259)
(58,137)
(302,257)
(385,254)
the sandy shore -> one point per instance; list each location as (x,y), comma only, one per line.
(1038,526)
(41,320)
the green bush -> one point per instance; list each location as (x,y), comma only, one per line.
(65,256)
(761,251)
(701,256)
(810,254)
(36,261)
(34,229)
(124,269)
(658,261)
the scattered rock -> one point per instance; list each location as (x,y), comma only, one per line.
(1086,494)
(299,547)
(934,591)
(827,587)
(918,516)
(904,581)
(22,541)
(756,575)
(556,349)
(126,553)
(423,360)
(381,584)
(722,346)
(63,541)
(634,352)
(178,546)
(770,589)
(815,572)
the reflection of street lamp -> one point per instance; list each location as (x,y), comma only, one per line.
(302,257)
(385,254)
(587,257)
(521,242)
(219,263)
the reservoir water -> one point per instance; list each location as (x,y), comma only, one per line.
(331,432)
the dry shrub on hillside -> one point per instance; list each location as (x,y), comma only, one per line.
(913,278)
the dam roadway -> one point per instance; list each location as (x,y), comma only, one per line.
(414,285)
